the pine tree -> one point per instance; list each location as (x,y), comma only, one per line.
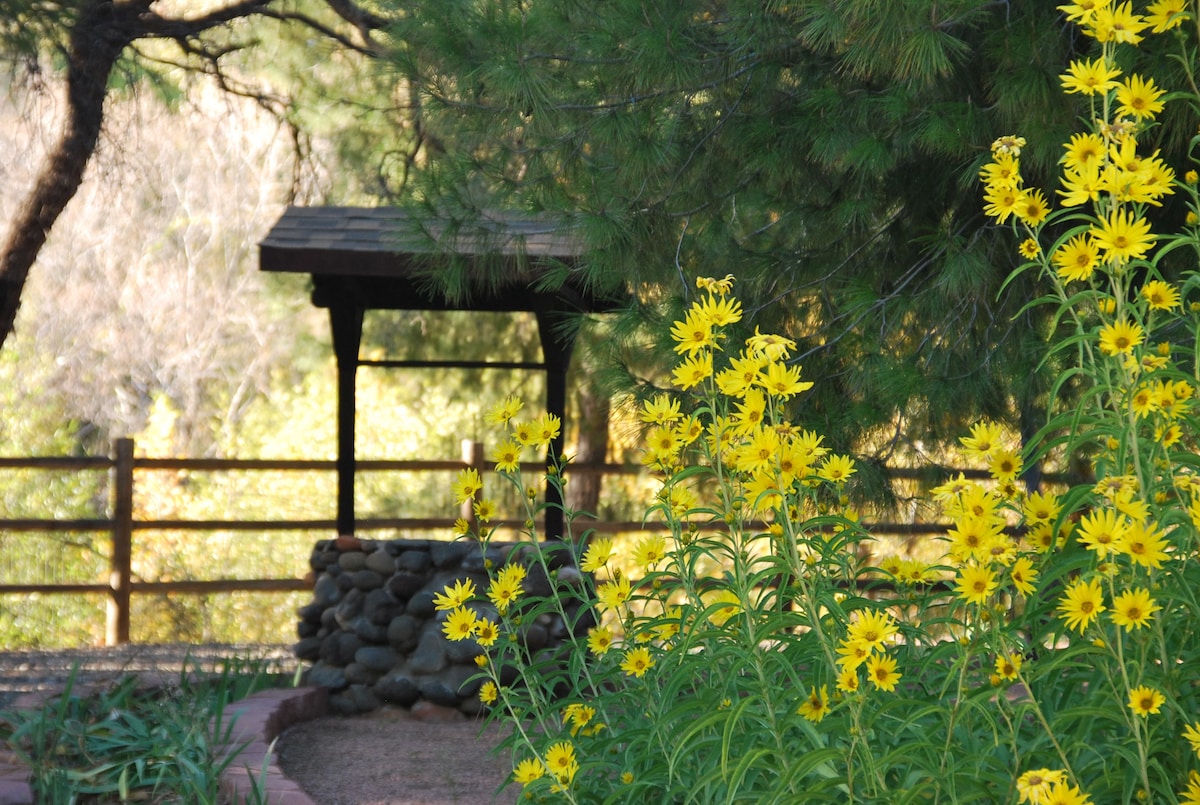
(826,152)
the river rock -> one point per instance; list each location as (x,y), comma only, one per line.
(414,561)
(379,659)
(397,688)
(430,654)
(404,584)
(402,632)
(381,562)
(352,561)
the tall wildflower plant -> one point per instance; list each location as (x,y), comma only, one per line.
(1114,683)
(1052,655)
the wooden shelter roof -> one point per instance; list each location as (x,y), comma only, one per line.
(391,254)
(371,258)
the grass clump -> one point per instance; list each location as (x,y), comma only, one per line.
(123,742)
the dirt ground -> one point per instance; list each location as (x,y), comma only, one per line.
(390,758)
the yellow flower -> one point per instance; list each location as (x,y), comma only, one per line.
(1001,202)
(1122,236)
(1119,338)
(597,554)
(693,371)
(881,670)
(1094,77)
(1081,185)
(661,410)
(1191,794)
(853,653)
(546,429)
(560,760)
(985,437)
(730,605)
(749,413)
(488,692)
(742,374)
(1032,207)
(1083,603)
(1009,144)
(467,485)
(1034,785)
(719,311)
(460,625)
(872,628)
(1139,98)
(847,680)
(816,706)
(614,594)
(720,287)
(578,715)
(454,597)
(1041,507)
(836,469)
(1029,249)
(1160,295)
(772,347)
(1023,576)
(650,551)
(1118,24)
(1082,11)
(975,584)
(1004,171)
(694,333)
(507,456)
(600,640)
(1133,609)
(1004,464)
(523,432)
(1143,543)
(1166,14)
(1145,701)
(783,381)
(506,587)
(486,632)
(503,412)
(1085,150)
(485,510)
(1191,734)
(461,527)
(1066,794)
(1100,530)
(1008,665)
(528,770)
(637,661)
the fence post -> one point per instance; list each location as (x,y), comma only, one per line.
(117,627)
(472,456)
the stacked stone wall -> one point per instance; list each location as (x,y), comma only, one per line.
(372,632)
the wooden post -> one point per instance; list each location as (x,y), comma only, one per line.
(119,580)
(346,321)
(472,456)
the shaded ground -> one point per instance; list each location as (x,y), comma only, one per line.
(385,758)
(390,758)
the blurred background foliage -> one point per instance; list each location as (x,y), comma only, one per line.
(826,153)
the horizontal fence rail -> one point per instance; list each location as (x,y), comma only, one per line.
(121,526)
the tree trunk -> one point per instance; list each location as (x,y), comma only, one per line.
(97,40)
(583,491)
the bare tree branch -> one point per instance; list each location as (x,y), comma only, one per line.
(99,35)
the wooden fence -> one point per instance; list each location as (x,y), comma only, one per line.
(122,524)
